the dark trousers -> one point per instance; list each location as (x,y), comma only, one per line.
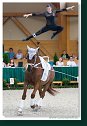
(56,28)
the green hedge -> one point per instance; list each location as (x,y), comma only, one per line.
(15,86)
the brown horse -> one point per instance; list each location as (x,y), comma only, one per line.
(33,75)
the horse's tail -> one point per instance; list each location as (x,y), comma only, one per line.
(52,91)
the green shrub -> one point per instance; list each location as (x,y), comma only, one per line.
(4,83)
(30,86)
(7,85)
(65,81)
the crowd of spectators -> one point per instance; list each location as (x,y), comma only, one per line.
(12,55)
(70,60)
(19,55)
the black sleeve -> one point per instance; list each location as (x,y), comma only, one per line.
(61,10)
(67,56)
(61,55)
(38,14)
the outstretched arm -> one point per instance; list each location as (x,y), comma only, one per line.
(65,9)
(70,8)
(27,15)
(33,14)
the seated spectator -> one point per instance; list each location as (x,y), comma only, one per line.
(71,62)
(19,55)
(11,53)
(11,64)
(64,55)
(5,64)
(73,55)
(60,62)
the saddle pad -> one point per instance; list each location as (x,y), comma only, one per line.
(46,66)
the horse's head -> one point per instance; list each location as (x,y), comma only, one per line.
(31,54)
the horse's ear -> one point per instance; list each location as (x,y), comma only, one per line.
(37,49)
(28,47)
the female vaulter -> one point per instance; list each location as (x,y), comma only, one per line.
(49,14)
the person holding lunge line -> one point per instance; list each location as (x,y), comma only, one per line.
(49,14)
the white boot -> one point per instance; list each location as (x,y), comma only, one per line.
(39,103)
(21,106)
(32,102)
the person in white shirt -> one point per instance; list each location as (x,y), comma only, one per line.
(71,62)
(60,62)
(4,65)
(19,55)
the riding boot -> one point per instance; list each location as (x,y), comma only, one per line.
(54,34)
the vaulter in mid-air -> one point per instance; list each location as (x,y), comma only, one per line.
(49,14)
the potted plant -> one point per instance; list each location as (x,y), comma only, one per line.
(55,58)
(6,58)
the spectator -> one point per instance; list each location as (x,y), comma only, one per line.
(4,65)
(73,55)
(11,64)
(11,53)
(64,55)
(71,62)
(60,62)
(19,55)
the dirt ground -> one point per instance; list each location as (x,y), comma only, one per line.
(66,104)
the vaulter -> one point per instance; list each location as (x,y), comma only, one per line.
(49,14)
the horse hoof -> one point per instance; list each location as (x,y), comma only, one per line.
(37,108)
(33,106)
(20,112)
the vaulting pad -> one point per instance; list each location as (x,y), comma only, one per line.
(46,66)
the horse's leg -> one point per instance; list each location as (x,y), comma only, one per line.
(39,103)
(32,103)
(21,106)
(42,93)
(47,85)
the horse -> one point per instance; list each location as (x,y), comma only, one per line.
(33,75)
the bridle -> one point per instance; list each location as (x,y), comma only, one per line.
(35,65)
